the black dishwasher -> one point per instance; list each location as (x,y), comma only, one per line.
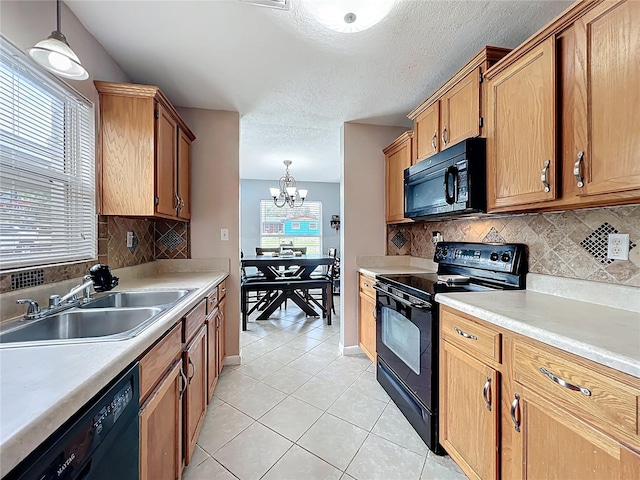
(99,442)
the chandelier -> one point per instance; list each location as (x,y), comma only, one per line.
(287,193)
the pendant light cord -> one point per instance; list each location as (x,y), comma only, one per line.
(58,15)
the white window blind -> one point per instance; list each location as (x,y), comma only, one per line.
(47,167)
(298,226)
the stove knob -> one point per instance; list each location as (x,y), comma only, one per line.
(493,257)
(506,257)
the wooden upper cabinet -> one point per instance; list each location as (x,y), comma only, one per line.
(144,153)
(184,175)
(453,112)
(166,138)
(607,99)
(397,159)
(426,128)
(521,130)
(460,111)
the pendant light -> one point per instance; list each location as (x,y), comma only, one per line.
(55,54)
(287,193)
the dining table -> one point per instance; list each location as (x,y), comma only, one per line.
(284,276)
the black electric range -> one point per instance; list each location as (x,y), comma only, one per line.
(407,322)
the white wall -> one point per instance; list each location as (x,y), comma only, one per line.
(215,198)
(252,191)
(363,210)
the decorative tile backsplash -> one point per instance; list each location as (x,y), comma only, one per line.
(112,250)
(567,244)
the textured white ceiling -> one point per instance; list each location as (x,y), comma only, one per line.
(293,81)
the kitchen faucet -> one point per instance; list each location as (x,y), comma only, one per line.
(58,303)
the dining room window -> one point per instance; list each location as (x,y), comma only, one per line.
(47,163)
(286,226)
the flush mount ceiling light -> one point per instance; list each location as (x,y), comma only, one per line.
(349,16)
(287,193)
(55,54)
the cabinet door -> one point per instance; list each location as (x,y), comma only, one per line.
(221,333)
(195,405)
(396,163)
(166,138)
(212,352)
(425,133)
(469,416)
(367,326)
(161,430)
(607,66)
(554,444)
(521,133)
(184,176)
(460,111)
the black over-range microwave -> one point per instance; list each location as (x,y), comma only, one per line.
(448,184)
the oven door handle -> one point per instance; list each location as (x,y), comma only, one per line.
(423,305)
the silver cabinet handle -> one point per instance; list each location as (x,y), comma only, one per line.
(194,371)
(184,382)
(485,393)
(433,141)
(564,383)
(576,170)
(444,135)
(367,285)
(177,206)
(513,410)
(464,334)
(543,175)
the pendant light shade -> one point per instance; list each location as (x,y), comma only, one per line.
(55,54)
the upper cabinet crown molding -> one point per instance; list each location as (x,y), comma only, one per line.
(145,153)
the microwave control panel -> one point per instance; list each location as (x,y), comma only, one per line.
(487,256)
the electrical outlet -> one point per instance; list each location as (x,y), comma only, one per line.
(618,247)
(224,234)
(130,239)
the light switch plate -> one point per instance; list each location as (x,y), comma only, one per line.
(130,239)
(224,234)
(618,247)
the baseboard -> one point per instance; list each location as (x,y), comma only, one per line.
(233,359)
(350,349)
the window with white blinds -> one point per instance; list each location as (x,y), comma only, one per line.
(296,227)
(47,167)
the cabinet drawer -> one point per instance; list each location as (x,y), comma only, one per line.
(212,300)
(157,360)
(366,286)
(194,320)
(222,289)
(472,337)
(581,390)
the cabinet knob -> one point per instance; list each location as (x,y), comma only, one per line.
(577,172)
(543,175)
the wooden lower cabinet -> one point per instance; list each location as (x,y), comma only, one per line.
(552,415)
(212,352)
(469,415)
(367,317)
(161,429)
(221,334)
(195,398)
(553,443)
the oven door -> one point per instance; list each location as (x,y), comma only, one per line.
(406,340)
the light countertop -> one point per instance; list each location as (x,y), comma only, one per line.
(394,265)
(604,334)
(42,386)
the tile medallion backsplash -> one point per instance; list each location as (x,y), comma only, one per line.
(150,240)
(566,244)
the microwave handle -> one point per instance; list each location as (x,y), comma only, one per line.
(451,199)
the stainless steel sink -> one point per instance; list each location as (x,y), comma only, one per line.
(137,299)
(77,324)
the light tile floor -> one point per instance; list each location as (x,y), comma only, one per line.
(298,410)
